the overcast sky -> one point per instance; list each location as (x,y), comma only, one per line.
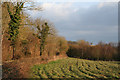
(90,21)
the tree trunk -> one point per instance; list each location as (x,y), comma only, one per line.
(40,48)
(40,53)
(13,53)
(82,53)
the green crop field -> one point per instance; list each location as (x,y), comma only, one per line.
(77,68)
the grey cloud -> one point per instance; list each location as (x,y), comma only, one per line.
(103,21)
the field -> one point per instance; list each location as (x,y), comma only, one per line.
(77,68)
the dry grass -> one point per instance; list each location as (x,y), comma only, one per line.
(21,68)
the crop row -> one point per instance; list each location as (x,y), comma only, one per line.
(77,68)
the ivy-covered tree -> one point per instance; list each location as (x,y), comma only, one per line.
(42,35)
(43,29)
(15,19)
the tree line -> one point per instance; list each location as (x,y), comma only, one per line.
(101,51)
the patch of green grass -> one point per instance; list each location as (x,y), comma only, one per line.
(54,62)
(77,68)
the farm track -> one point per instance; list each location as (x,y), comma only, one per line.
(77,68)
